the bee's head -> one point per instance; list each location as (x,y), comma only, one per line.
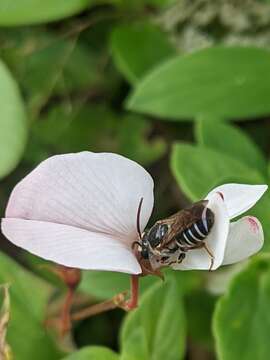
(152,238)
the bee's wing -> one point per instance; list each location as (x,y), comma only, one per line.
(183,219)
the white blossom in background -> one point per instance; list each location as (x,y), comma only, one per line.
(80,210)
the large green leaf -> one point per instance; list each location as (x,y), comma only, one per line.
(198,170)
(135,346)
(222,82)
(93,353)
(106,284)
(29,296)
(157,329)
(242,320)
(230,140)
(22,12)
(138,48)
(13,127)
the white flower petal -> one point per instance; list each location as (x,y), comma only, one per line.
(216,240)
(71,246)
(99,192)
(245,239)
(239,197)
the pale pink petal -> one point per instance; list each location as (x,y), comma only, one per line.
(99,192)
(71,246)
(239,197)
(245,239)
(216,240)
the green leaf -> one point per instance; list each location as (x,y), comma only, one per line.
(93,353)
(135,346)
(105,284)
(23,12)
(242,320)
(159,324)
(222,82)
(29,297)
(230,140)
(137,48)
(198,170)
(13,127)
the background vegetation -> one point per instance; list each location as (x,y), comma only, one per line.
(183,88)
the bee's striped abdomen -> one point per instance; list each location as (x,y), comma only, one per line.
(196,233)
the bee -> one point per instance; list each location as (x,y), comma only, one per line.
(168,240)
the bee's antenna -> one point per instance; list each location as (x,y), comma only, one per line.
(138,218)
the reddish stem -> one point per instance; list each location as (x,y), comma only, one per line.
(134,293)
(98,308)
(65,316)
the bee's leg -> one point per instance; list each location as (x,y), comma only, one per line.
(154,251)
(181,257)
(168,251)
(204,246)
(210,254)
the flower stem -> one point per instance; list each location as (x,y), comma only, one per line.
(65,315)
(99,308)
(132,303)
(117,301)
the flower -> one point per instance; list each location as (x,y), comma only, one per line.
(80,210)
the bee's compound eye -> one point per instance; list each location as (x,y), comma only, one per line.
(163,230)
(157,233)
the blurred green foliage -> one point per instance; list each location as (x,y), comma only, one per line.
(93,353)
(244,311)
(29,297)
(157,329)
(13,123)
(180,86)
